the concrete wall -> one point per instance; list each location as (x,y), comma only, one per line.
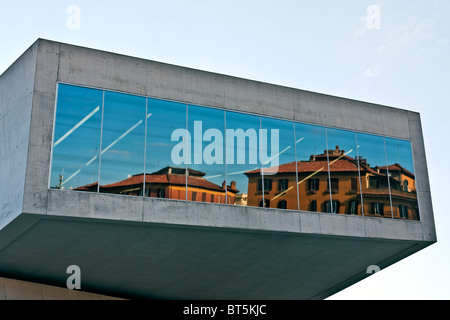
(16,95)
(76,65)
(41,129)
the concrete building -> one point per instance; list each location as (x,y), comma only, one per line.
(73,117)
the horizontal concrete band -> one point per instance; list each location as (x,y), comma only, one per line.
(138,209)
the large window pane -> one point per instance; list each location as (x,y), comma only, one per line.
(242,158)
(343,183)
(76,144)
(277,152)
(374,181)
(206,163)
(402,179)
(123,136)
(167,150)
(312,167)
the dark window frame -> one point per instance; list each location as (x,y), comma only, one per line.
(378,208)
(267,185)
(334,184)
(283,184)
(282,204)
(353,210)
(313,205)
(332,206)
(313,184)
(403,211)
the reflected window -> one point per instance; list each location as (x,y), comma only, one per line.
(354,184)
(405,185)
(283,184)
(353,207)
(378,208)
(282,204)
(334,185)
(403,211)
(313,205)
(313,185)
(332,206)
(267,185)
(264,203)
(161,193)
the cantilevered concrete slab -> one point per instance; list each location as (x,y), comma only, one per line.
(168,249)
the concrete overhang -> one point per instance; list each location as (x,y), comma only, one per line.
(165,249)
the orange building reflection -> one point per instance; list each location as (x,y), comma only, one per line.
(369,191)
(170,183)
(352,192)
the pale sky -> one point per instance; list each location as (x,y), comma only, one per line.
(339,48)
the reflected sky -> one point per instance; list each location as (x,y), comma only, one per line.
(123,137)
(399,151)
(77,136)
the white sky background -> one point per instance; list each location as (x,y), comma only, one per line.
(321,46)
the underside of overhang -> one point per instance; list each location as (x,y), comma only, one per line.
(168,261)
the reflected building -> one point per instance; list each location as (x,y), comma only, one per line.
(241,199)
(342,194)
(170,183)
(165,182)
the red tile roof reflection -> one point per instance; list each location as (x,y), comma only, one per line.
(337,159)
(397,167)
(172,179)
(345,164)
(87,187)
(164,176)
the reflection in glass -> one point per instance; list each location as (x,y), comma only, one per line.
(206,166)
(402,179)
(156,148)
(278,184)
(376,198)
(123,136)
(312,167)
(166,172)
(343,183)
(77,138)
(242,158)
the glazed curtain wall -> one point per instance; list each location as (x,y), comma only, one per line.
(111,142)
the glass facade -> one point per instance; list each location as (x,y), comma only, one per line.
(118,143)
